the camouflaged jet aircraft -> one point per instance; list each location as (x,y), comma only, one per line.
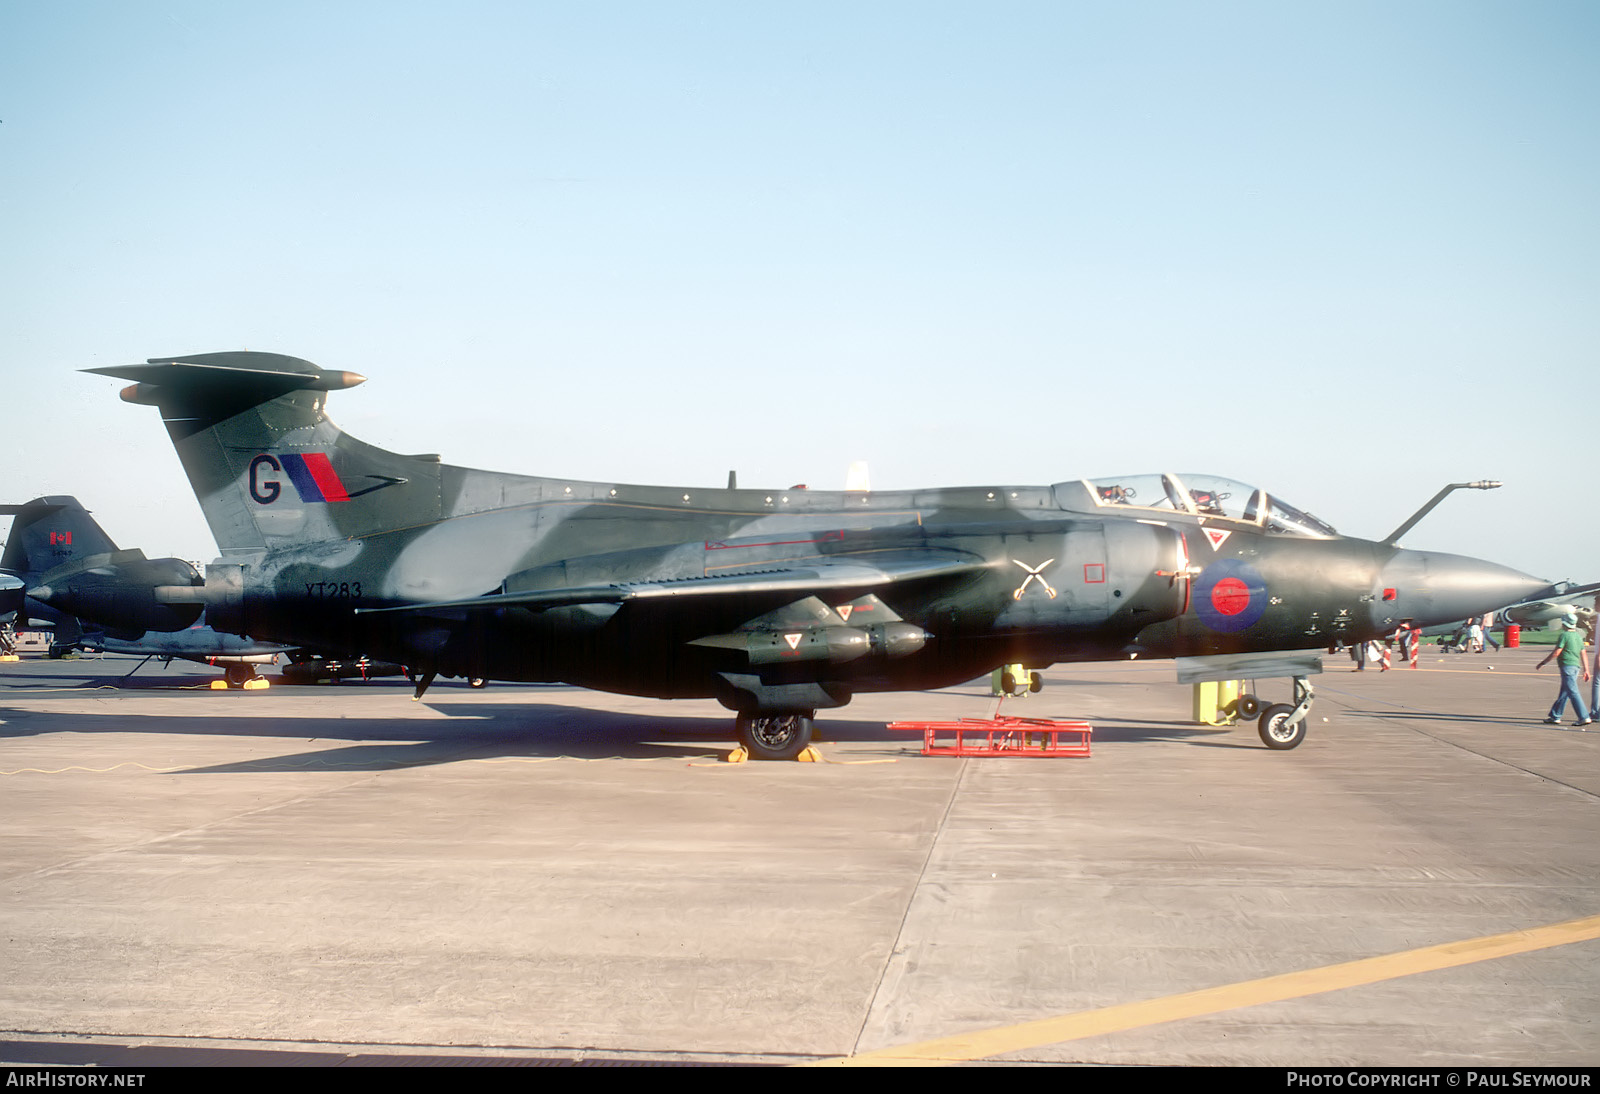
(65,569)
(1578,605)
(776,602)
(70,568)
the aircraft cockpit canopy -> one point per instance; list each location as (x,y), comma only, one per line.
(1206,496)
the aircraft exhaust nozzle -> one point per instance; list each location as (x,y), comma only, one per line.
(1430,588)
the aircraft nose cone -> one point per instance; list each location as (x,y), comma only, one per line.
(1431,588)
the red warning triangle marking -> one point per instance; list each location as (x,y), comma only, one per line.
(1217,536)
(844,611)
(793,640)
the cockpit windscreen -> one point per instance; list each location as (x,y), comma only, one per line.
(1209,496)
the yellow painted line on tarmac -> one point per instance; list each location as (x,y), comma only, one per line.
(1198,1004)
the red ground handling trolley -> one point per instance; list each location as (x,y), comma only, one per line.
(1003,736)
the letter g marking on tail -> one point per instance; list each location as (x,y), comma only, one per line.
(264,492)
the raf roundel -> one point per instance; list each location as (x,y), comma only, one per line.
(1229,596)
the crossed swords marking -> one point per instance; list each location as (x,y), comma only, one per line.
(1033,575)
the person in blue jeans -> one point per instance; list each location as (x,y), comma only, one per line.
(1594,672)
(1488,640)
(1594,683)
(1569,649)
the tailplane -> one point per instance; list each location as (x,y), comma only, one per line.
(267,465)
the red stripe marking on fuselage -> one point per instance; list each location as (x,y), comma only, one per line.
(326,477)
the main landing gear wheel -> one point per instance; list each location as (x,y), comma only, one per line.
(1277,731)
(238,675)
(775,736)
(1016,687)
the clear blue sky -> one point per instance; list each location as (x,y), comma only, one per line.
(1346,251)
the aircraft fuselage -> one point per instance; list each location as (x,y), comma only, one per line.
(1043,584)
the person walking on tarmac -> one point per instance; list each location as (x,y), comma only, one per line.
(1488,637)
(1594,671)
(1569,648)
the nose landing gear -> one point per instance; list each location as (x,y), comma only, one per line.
(1282,726)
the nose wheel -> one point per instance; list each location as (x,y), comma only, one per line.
(1283,726)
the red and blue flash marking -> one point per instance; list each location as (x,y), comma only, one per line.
(314,477)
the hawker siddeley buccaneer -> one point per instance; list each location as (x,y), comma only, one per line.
(776,602)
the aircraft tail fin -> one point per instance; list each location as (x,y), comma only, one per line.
(51,532)
(267,465)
